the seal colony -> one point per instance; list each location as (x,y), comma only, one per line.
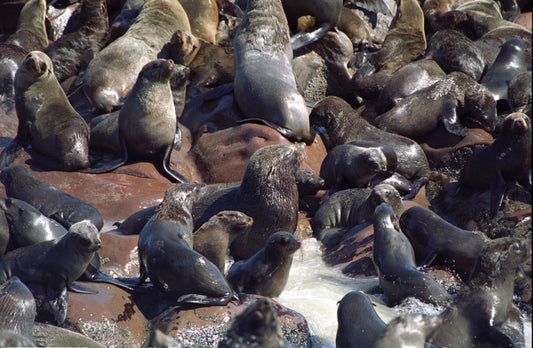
(454,88)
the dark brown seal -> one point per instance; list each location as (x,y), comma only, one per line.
(84,36)
(267,193)
(267,271)
(165,250)
(112,73)
(256,326)
(507,159)
(214,237)
(47,121)
(394,259)
(431,236)
(484,303)
(273,98)
(451,102)
(20,183)
(338,123)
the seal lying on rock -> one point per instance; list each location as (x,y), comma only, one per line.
(267,271)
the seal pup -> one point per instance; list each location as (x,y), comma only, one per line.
(214,237)
(451,102)
(431,236)
(358,323)
(394,259)
(20,183)
(507,159)
(18,311)
(338,123)
(267,271)
(30,35)
(267,193)
(54,264)
(484,302)
(167,257)
(47,121)
(256,326)
(84,36)
(270,97)
(348,166)
(147,122)
(327,16)
(112,73)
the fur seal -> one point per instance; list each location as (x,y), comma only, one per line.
(405,81)
(20,183)
(147,121)
(203,18)
(507,159)
(510,62)
(112,73)
(267,271)
(30,35)
(348,166)
(47,121)
(404,42)
(134,223)
(354,27)
(484,302)
(432,236)
(409,330)
(18,311)
(54,264)
(450,102)
(256,326)
(394,259)
(4,233)
(84,36)
(454,51)
(358,323)
(27,225)
(519,93)
(338,123)
(262,39)
(214,237)
(167,257)
(267,193)
(327,15)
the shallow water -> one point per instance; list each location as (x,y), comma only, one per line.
(313,289)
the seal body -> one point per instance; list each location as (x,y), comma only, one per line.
(394,259)
(432,236)
(270,96)
(47,121)
(267,271)
(81,41)
(339,123)
(213,238)
(267,193)
(20,183)
(18,310)
(165,250)
(112,73)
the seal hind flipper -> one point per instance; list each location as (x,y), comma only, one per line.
(170,172)
(302,38)
(10,153)
(80,288)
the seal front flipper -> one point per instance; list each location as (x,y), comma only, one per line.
(80,288)
(98,276)
(206,300)
(52,304)
(170,172)
(10,153)
(430,257)
(497,191)
(450,120)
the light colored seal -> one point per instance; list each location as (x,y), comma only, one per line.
(112,73)
(268,96)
